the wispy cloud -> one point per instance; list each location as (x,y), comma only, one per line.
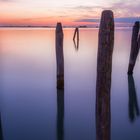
(123,12)
(126,11)
(120,20)
(8,0)
(127,19)
(88,20)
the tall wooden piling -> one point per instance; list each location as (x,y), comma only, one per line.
(59,56)
(134,48)
(139,42)
(104,70)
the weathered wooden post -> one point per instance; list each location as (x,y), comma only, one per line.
(76,33)
(134,48)
(60,81)
(76,42)
(139,42)
(104,70)
(60,114)
(59,56)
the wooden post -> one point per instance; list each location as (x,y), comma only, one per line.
(104,70)
(76,32)
(139,42)
(76,43)
(60,114)
(134,48)
(59,56)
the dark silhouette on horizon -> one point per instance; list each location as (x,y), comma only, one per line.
(133,103)
(60,114)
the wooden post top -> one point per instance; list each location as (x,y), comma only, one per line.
(107,20)
(59,27)
(107,13)
(137,24)
(106,30)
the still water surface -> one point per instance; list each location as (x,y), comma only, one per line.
(28,97)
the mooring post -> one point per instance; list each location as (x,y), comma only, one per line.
(139,42)
(134,48)
(76,32)
(59,56)
(104,70)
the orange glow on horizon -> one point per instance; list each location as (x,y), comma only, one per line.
(39,13)
(67,21)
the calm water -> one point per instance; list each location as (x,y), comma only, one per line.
(28,95)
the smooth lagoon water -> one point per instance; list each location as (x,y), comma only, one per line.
(28,97)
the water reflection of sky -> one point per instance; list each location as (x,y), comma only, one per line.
(28,85)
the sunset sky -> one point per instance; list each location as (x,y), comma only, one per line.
(69,12)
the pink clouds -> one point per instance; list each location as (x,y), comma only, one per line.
(35,13)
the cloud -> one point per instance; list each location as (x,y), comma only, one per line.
(88,20)
(126,9)
(129,8)
(117,20)
(6,0)
(124,12)
(127,19)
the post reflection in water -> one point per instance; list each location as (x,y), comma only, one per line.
(1,135)
(103,118)
(133,103)
(76,44)
(60,114)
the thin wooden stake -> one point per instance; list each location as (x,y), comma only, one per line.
(134,48)
(76,32)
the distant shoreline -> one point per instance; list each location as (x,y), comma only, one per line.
(54,27)
(44,26)
(25,27)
